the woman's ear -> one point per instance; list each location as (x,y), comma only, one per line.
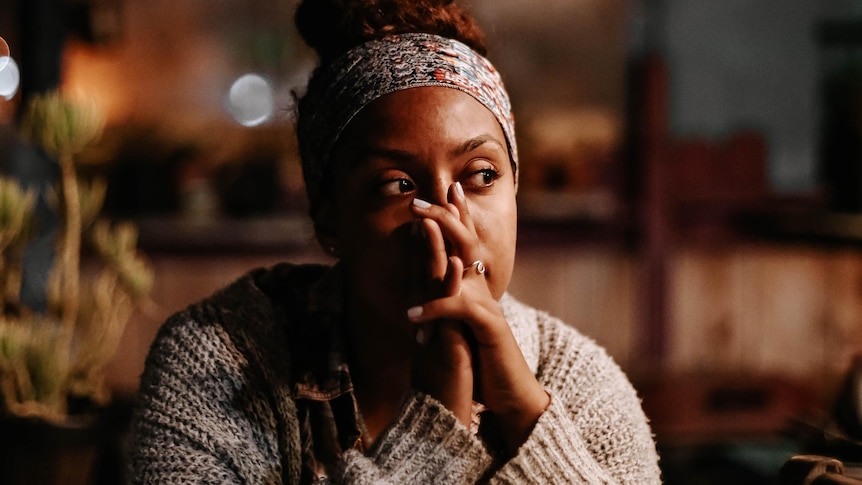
(325,229)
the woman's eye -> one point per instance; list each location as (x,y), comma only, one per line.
(482,178)
(396,187)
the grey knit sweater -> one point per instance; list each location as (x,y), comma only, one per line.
(216,406)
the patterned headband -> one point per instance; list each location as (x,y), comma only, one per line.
(337,92)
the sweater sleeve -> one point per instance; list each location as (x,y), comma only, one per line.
(198,418)
(594,430)
(426,444)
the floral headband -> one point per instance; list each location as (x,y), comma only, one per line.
(338,91)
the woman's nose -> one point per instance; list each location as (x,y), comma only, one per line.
(437,192)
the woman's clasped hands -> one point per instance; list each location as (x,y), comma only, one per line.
(466,349)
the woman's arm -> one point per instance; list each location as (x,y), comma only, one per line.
(594,430)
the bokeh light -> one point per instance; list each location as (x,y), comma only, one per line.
(4,53)
(251,100)
(9,77)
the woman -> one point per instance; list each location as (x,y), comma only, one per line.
(406,362)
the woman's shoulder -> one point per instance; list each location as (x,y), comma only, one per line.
(254,298)
(259,292)
(252,311)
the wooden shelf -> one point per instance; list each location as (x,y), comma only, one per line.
(281,233)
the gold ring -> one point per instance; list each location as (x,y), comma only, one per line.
(480,267)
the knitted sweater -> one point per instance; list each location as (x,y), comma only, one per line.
(216,405)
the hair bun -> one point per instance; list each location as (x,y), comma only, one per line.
(331,27)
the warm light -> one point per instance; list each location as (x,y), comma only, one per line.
(91,75)
(250,100)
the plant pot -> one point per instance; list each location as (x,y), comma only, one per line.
(34,451)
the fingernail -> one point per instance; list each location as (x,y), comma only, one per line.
(459,189)
(421,204)
(414,312)
(420,336)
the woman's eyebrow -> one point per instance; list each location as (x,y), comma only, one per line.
(476,142)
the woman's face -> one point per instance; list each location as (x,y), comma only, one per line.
(417,143)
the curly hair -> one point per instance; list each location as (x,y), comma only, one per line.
(332,27)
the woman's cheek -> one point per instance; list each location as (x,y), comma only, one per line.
(496,234)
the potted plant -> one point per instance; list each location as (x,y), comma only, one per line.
(52,362)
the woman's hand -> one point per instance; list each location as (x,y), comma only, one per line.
(443,363)
(466,337)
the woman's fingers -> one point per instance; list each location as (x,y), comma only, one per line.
(454,275)
(451,286)
(444,369)
(450,219)
(483,317)
(459,201)
(503,381)
(443,365)
(449,232)
(438,262)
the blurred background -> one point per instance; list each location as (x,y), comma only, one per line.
(691,192)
